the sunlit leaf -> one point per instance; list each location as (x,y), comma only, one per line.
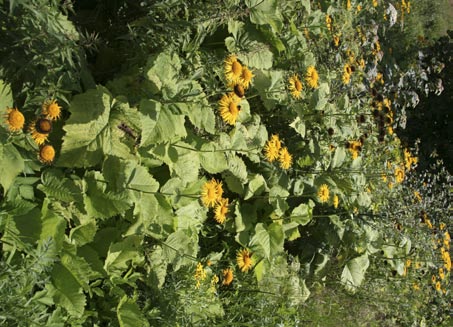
(354,272)
(66,291)
(12,165)
(92,130)
(129,313)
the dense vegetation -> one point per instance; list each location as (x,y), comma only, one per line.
(258,162)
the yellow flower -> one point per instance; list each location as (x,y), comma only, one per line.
(211,193)
(214,281)
(442,227)
(437,286)
(348,5)
(441,273)
(14,119)
(295,86)
(312,77)
(227,276)
(40,130)
(221,210)
(418,197)
(46,154)
(329,22)
(244,260)
(285,158)
(346,78)
(200,274)
(361,63)
(335,201)
(228,108)
(447,260)
(380,78)
(375,3)
(359,8)
(51,110)
(232,69)
(399,175)
(323,193)
(246,77)
(272,148)
(415,286)
(336,40)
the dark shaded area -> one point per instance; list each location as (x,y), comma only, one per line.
(432,120)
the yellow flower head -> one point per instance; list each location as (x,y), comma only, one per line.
(437,286)
(418,197)
(399,175)
(227,276)
(323,193)
(312,77)
(336,40)
(441,273)
(375,3)
(40,130)
(221,210)
(246,77)
(329,22)
(211,193)
(200,274)
(335,201)
(285,158)
(272,148)
(346,78)
(51,110)
(229,108)
(348,4)
(232,69)
(46,154)
(295,86)
(244,260)
(14,119)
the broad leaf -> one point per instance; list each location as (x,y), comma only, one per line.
(122,254)
(129,314)
(66,291)
(265,12)
(162,72)
(354,272)
(11,166)
(92,130)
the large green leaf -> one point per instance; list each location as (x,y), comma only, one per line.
(320,97)
(99,201)
(123,174)
(268,240)
(56,185)
(162,71)
(122,254)
(303,213)
(264,12)
(169,127)
(256,186)
(129,314)
(354,272)
(11,166)
(6,97)
(212,160)
(78,267)
(92,130)
(182,160)
(179,249)
(149,115)
(66,291)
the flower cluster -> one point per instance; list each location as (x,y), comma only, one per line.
(273,150)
